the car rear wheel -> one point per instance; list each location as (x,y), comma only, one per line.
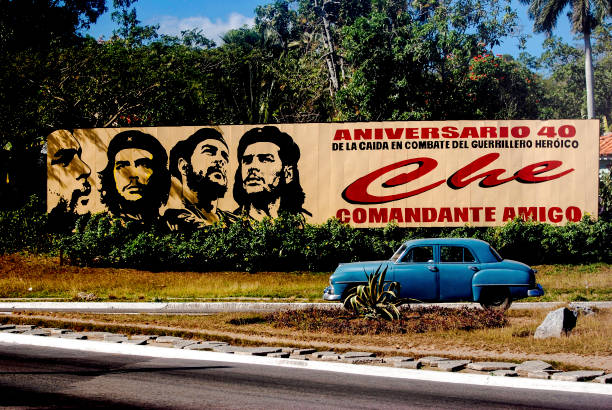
(496,298)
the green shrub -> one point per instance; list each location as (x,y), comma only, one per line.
(26,228)
(377,299)
(283,244)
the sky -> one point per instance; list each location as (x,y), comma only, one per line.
(216,17)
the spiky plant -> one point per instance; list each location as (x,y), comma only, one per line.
(377,299)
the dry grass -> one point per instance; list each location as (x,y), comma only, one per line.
(588,346)
(47,279)
(576,283)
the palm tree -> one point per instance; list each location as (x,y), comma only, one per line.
(585,16)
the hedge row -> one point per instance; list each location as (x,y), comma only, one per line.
(283,244)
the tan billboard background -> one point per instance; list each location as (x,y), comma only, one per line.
(449,173)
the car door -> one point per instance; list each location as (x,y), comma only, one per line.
(417,273)
(456,268)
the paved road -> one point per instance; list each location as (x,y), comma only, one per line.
(59,378)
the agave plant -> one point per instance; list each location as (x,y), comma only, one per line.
(377,299)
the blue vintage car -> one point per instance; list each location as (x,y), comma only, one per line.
(444,270)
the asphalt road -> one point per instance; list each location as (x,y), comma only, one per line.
(59,378)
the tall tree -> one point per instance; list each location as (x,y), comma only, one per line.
(585,15)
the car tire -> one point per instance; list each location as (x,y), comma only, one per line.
(496,298)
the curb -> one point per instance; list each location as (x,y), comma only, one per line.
(219,307)
(423,375)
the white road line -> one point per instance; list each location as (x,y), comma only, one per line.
(434,376)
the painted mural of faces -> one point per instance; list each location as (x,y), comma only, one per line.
(209,162)
(262,169)
(132,172)
(267,180)
(68,171)
(136,180)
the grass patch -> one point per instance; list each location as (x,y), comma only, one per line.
(32,276)
(29,276)
(569,283)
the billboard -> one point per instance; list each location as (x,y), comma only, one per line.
(439,173)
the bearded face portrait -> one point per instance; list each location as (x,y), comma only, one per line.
(67,170)
(136,181)
(206,172)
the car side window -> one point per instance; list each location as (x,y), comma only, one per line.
(419,254)
(456,254)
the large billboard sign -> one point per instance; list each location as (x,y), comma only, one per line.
(449,173)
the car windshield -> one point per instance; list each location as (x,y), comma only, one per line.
(495,254)
(398,253)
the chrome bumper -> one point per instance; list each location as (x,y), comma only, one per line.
(328,295)
(537,291)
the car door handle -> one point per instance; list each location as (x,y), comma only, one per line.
(432,268)
(474,268)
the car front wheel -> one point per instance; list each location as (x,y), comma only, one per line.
(496,298)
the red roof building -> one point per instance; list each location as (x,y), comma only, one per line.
(605,151)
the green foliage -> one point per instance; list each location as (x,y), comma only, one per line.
(282,244)
(605,195)
(376,300)
(25,229)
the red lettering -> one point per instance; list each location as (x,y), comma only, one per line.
(489,214)
(359,215)
(394,134)
(378,215)
(429,214)
(429,132)
(509,214)
(396,215)
(378,133)
(476,213)
(490,178)
(412,133)
(461,214)
(573,213)
(469,132)
(490,132)
(528,214)
(445,215)
(413,214)
(555,214)
(363,134)
(343,215)
(343,135)
(520,132)
(357,192)
(527,175)
(449,132)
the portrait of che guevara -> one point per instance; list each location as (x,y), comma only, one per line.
(136,181)
(200,164)
(71,186)
(267,181)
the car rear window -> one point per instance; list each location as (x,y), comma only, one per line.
(456,254)
(496,255)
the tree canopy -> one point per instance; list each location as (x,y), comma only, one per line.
(302,61)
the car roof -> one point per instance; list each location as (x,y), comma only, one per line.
(476,244)
(452,241)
